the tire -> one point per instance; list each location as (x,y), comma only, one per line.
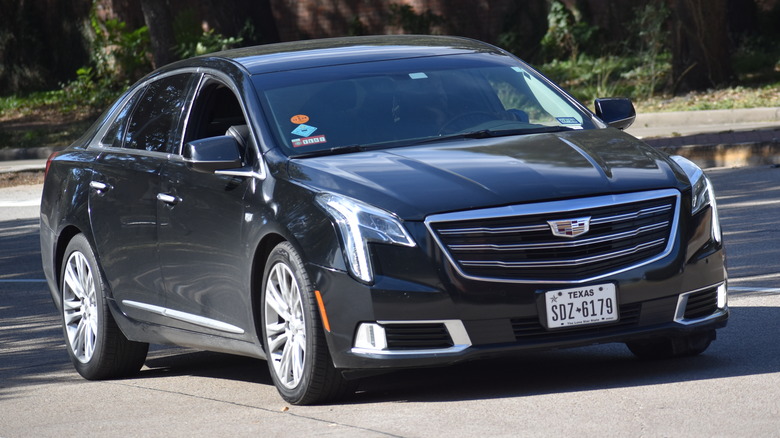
(671,347)
(293,335)
(96,346)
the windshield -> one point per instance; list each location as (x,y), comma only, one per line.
(402,102)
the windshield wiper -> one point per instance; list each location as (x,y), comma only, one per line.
(488,133)
(332,151)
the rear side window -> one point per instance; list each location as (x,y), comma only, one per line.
(155,118)
(116,133)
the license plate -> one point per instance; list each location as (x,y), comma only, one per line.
(581,306)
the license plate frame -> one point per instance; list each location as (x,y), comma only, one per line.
(581,306)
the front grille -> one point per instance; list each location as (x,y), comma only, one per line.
(516,243)
(417,336)
(701,304)
(530,329)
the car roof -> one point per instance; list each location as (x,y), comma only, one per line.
(336,51)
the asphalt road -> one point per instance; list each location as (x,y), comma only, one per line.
(733,389)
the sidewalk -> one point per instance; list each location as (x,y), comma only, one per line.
(716,138)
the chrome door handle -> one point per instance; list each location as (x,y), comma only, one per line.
(99,186)
(168,199)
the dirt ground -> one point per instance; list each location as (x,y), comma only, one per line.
(11,179)
(43,126)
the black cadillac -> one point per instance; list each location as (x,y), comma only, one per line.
(339,207)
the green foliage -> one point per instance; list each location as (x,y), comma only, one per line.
(119,56)
(756,57)
(566,34)
(637,68)
(192,40)
(207,42)
(356,27)
(411,22)
(652,50)
(587,77)
(119,52)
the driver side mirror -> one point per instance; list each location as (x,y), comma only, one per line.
(212,154)
(616,112)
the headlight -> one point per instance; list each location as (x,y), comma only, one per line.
(359,224)
(702,193)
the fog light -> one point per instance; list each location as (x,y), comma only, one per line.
(371,336)
(723,298)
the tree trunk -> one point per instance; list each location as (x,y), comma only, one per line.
(700,51)
(159,20)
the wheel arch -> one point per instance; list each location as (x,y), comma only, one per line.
(262,251)
(64,238)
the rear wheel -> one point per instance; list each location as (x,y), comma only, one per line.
(297,353)
(669,347)
(97,348)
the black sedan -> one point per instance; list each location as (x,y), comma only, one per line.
(347,206)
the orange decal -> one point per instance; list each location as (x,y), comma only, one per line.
(299,119)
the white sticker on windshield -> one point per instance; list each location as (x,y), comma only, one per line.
(568,121)
(304,130)
(418,75)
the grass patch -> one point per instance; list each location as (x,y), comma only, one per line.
(738,97)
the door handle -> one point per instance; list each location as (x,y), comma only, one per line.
(99,186)
(168,199)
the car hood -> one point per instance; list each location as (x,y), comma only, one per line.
(416,181)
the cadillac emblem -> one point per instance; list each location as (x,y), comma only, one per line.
(570,227)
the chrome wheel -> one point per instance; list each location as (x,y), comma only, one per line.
(80,307)
(285,325)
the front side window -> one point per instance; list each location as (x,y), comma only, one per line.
(403,102)
(155,118)
(216,111)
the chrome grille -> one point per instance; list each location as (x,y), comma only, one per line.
(516,243)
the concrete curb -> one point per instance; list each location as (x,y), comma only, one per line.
(729,155)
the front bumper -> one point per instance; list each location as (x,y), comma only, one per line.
(461,321)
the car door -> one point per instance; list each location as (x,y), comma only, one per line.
(205,261)
(124,193)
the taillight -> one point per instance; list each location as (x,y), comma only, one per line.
(48,162)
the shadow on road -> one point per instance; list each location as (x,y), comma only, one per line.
(20,248)
(38,357)
(32,350)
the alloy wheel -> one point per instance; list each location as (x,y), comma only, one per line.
(80,307)
(285,325)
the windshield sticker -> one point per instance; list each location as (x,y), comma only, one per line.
(568,121)
(299,119)
(418,76)
(304,130)
(308,141)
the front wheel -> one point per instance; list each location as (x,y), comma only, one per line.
(294,338)
(670,347)
(96,346)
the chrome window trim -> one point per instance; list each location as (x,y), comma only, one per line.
(572,205)
(259,173)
